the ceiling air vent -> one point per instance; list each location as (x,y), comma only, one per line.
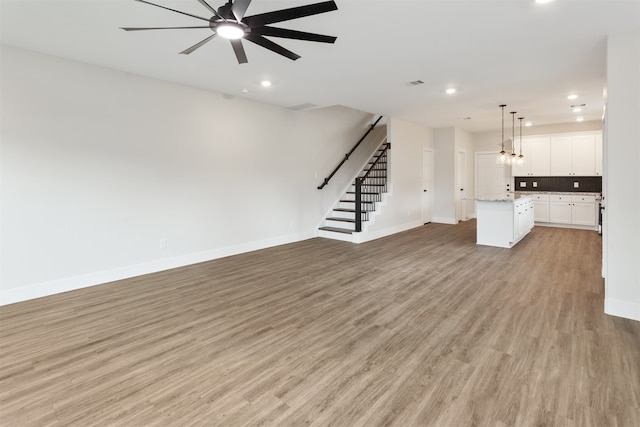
(415,83)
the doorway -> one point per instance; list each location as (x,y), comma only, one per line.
(493,180)
(428,178)
(461,185)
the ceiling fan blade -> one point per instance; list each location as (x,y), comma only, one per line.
(212,10)
(268,44)
(197,45)
(293,34)
(288,14)
(239,8)
(173,10)
(159,28)
(205,4)
(241,56)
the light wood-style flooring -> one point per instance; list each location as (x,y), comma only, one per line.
(423,328)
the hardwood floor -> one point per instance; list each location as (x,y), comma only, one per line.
(423,328)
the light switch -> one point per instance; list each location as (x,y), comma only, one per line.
(535,184)
(576,184)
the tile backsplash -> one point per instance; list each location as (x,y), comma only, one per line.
(585,184)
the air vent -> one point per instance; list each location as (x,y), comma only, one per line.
(415,83)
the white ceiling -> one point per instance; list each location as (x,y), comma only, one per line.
(515,52)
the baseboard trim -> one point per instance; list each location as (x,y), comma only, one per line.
(444,220)
(618,308)
(373,235)
(38,290)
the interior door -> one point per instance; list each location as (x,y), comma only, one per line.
(427,185)
(493,180)
(461,183)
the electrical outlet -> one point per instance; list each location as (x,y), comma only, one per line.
(576,184)
(523,184)
(535,184)
(163,243)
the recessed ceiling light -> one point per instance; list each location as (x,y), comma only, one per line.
(527,124)
(580,119)
(543,1)
(265,83)
(451,91)
(577,109)
(245,90)
(573,96)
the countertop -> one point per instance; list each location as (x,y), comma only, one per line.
(571,193)
(495,199)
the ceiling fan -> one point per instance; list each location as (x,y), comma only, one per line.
(229,21)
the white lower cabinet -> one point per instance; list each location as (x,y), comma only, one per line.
(541,207)
(523,218)
(572,209)
(583,210)
(560,209)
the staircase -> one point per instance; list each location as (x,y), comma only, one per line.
(341,223)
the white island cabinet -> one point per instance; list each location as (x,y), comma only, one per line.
(503,222)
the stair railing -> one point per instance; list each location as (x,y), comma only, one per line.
(346,156)
(360,182)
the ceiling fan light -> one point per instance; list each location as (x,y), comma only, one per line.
(230,30)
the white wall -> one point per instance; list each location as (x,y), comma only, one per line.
(100,167)
(621,226)
(444,209)
(403,209)
(490,141)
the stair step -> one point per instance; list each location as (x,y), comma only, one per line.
(337,230)
(349,210)
(333,218)
(363,193)
(353,201)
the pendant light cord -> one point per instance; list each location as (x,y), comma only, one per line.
(502,138)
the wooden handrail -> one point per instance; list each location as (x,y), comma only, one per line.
(346,156)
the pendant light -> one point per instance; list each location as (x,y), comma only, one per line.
(514,157)
(502,155)
(521,156)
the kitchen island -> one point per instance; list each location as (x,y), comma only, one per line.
(503,222)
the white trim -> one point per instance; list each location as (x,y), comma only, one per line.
(574,226)
(367,236)
(23,293)
(444,220)
(628,310)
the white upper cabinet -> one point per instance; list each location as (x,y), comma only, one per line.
(536,157)
(599,154)
(573,155)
